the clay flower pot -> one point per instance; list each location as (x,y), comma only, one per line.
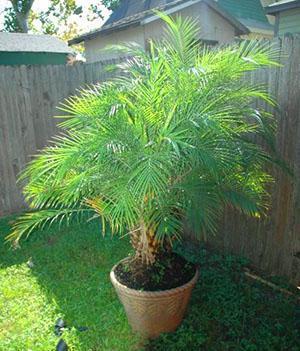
(151,313)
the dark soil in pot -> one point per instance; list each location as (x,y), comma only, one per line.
(169,271)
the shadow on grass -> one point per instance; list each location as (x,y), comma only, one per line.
(72,266)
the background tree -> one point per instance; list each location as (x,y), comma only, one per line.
(111,4)
(16,18)
(20,17)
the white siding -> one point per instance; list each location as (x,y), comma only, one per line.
(94,47)
(289,21)
(212,25)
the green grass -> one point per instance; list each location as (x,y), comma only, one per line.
(70,279)
(230,312)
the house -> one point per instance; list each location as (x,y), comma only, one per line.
(287,16)
(252,15)
(135,21)
(221,21)
(31,49)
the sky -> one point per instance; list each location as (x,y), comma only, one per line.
(83,23)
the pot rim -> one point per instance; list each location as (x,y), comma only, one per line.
(157,293)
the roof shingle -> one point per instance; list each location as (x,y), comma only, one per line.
(21,42)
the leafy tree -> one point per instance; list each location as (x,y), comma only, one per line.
(20,17)
(57,15)
(16,18)
(167,141)
(111,4)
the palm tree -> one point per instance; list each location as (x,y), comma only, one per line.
(169,140)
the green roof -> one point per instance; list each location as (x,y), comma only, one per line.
(250,12)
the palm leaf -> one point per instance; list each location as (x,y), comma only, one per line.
(173,137)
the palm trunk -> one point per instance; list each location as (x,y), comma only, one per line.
(145,245)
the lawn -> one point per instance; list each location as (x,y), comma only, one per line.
(65,273)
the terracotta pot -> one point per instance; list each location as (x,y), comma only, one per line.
(151,313)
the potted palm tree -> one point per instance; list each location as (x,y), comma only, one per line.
(166,143)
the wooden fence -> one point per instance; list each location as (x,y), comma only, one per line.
(273,244)
(29,96)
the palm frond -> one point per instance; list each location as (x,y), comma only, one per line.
(31,221)
(173,137)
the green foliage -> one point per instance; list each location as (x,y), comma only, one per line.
(227,311)
(11,23)
(111,4)
(16,17)
(168,139)
(20,17)
(22,6)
